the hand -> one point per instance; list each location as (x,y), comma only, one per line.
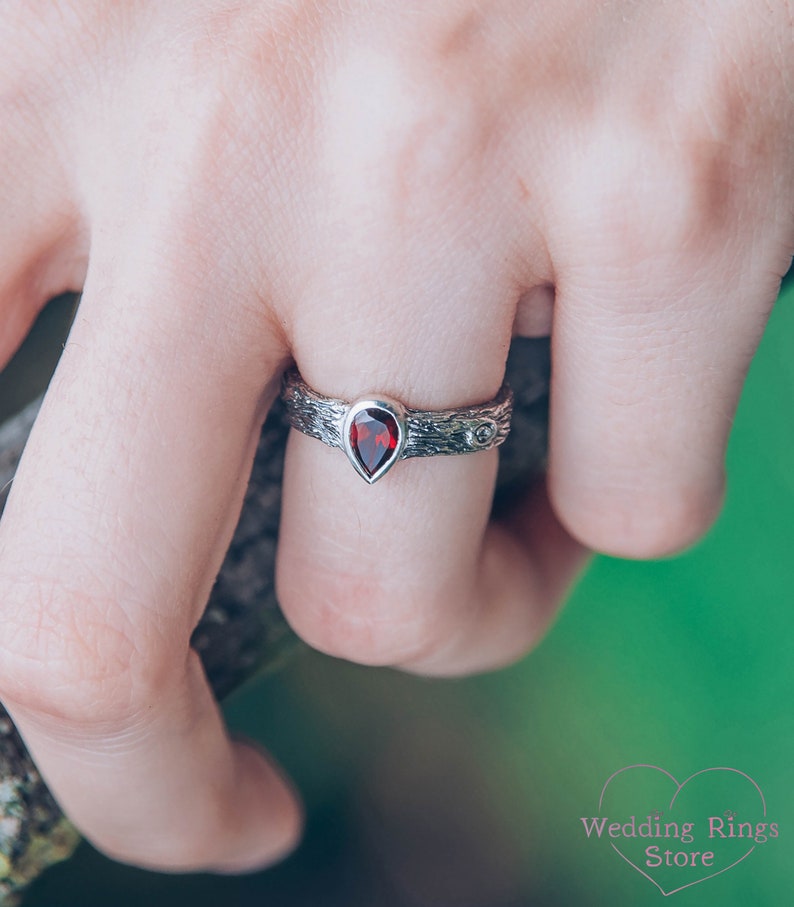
(385,193)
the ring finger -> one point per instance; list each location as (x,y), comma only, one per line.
(408,571)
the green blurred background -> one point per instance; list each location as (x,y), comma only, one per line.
(468,793)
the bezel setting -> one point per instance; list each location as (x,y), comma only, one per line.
(391,409)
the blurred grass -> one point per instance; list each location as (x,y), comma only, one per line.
(469,793)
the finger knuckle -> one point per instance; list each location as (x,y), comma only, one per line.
(640,198)
(73,657)
(369,620)
(401,135)
(642,523)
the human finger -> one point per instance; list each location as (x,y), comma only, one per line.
(528,564)
(419,299)
(661,300)
(119,516)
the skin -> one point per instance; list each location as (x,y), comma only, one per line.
(384,193)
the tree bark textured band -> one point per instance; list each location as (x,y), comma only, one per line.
(375,432)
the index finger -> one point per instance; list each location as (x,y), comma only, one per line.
(122,508)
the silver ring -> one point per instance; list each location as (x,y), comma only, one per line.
(376,432)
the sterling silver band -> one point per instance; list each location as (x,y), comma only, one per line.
(413,433)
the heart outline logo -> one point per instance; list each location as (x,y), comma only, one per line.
(679,787)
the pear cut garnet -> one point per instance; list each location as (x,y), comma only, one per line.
(374,435)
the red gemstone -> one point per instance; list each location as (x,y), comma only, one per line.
(374,434)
